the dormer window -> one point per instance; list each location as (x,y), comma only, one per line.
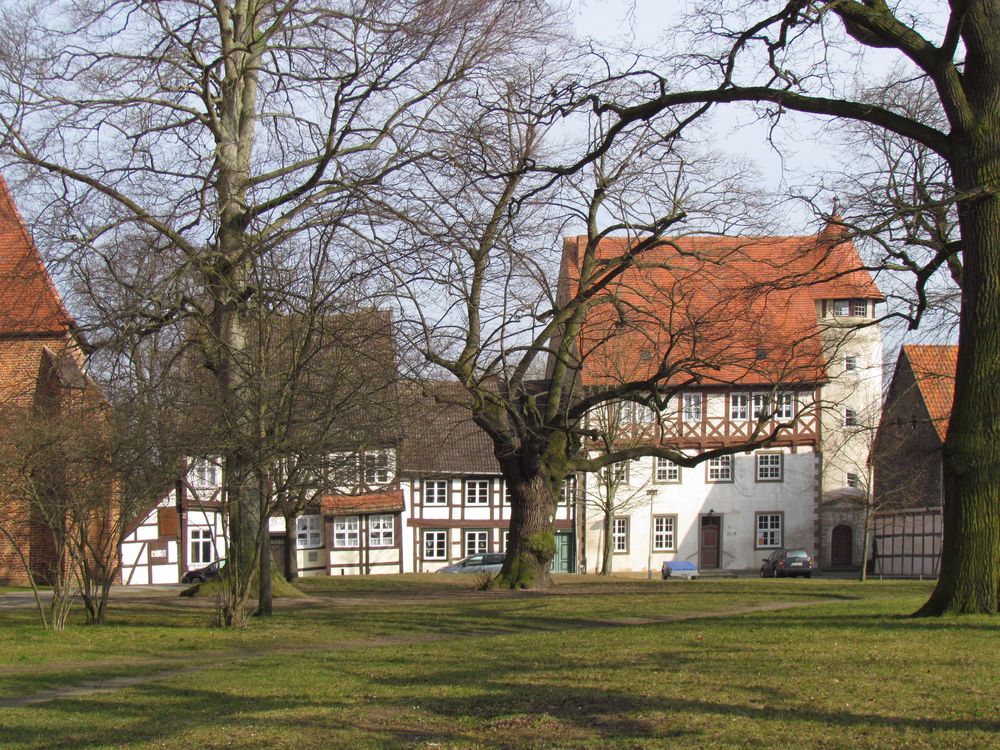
(859,308)
(841,308)
(849,308)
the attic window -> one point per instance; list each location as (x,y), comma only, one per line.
(761,352)
(645,355)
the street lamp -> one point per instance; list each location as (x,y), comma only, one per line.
(649,560)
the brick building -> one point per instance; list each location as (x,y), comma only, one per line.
(41,361)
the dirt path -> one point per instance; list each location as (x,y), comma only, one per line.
(210,661)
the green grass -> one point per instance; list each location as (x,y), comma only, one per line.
(424,661)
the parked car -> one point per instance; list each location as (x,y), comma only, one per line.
(788,562)
(482,563)
(200,575)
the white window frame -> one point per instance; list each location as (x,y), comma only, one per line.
(853,480)
(739,407)
(205,472)
(850,362)
(769,528)
(434,543)
(665,533)
(784,405)
(666,471)
(859,308)
(567,491)
(505,496)
(691,407)
(435,491)
(643,414)
(769,467)
(760,406)
(476,541)
(477,492)
(719,469)
(851,417)
(616,473)
(841,308)
(381,530)
(346,532)
(308,532)
(504,539)
(620,534)
(201,545)
(377,467)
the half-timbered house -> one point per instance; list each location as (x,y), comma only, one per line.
(908,493)
(771,337)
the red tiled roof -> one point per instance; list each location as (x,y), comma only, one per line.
(726,309)
(389,501)
(29,302)
(934,370)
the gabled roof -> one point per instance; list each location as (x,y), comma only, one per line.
(933,368)
(440,436)
(29,302)
(726,309)
(389,501)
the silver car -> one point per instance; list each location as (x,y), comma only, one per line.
(487,562)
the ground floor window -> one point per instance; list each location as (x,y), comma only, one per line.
(309,532)
(768,530)
(380,530)
(346,532)
(435,545)
(476,542)
(201,546)
(505,538)
(664,533)
(619,534)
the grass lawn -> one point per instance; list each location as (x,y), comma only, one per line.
(417,661)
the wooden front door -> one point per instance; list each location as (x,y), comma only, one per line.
(711,537)
(841,546)
(562,562)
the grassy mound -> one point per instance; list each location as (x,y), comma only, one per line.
(280,588)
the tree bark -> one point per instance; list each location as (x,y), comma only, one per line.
(607,559)
(531,542)
(291,561)
(969,579)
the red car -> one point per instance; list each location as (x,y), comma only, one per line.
(788,562)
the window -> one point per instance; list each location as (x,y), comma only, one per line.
(842,308)
(853,480)
(692,407)
(617,472)
(435,545)
(435,492)
(739,406)
(644,414)
(768,530)
(720,469)
(784,405)
(851,362)
(346,532)
(768,467)
(567,491)
(308,532)
(761,406)
(850,417)
(378,467)
(344,469)
(201,546)
(380,530)
(476,542)
(477,491)
(619,534)
(505,539)
(206,473)
(859,308)
(506,493)
(667,470)
(664,533)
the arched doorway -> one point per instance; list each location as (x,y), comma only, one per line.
(841,546)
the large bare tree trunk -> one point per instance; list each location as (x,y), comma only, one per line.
(969,580)
(532,542)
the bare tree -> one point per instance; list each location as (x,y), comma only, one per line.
(211,133)
(769,56)
(474,259)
